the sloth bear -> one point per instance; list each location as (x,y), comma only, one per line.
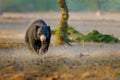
(38,37)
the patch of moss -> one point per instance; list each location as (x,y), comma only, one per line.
(96,36)
(73,34)
(72,31)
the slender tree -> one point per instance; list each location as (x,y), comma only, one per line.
(61,33)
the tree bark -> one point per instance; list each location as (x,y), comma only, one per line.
(61,33)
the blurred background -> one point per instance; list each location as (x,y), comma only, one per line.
(52,5)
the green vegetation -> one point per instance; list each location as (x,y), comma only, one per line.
(29,5)
(71,32)
(74,34)
(93,36)
(96,36)
(52,5)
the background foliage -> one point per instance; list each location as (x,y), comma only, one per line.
(52,5)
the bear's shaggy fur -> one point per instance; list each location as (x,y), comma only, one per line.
(38,36)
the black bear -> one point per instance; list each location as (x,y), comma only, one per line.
(38,36)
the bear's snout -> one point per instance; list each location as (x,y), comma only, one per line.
(43,38)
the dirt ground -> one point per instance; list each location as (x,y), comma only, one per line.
(81,61)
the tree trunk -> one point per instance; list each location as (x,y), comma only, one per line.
(0,6)
(61,33)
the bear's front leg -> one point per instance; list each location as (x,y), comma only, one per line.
(40,51)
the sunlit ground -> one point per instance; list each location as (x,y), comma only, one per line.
(83,61)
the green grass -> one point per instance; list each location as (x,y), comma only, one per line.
(96,36)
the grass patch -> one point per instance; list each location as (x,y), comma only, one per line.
(96,36)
